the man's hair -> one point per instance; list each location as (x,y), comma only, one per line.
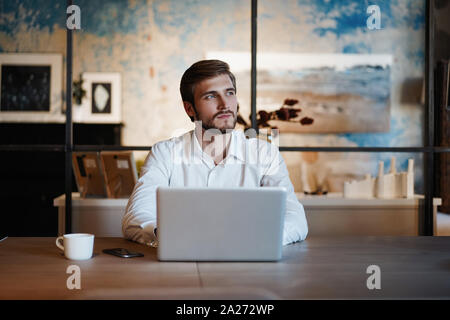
(199,71)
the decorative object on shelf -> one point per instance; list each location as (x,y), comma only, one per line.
(393,184)
(78,93)
(89,174)
(119,170)
(102,103)
(360,189)
(384,186)
(104,174)
(31,87)
(314,174)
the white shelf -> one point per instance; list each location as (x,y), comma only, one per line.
(337,199)
(89,202)
(329,214)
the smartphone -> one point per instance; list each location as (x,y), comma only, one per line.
(123,253)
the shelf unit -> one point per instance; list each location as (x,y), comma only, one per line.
(330,215)
(429,149)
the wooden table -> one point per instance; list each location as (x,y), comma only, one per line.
(318,268)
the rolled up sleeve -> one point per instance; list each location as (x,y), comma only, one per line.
(277,175)
(139,220)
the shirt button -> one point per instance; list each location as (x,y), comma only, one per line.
(211,177)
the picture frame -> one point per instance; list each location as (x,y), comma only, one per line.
(317,93)
(31,87)
(119,170)
(102,103)
(89,174)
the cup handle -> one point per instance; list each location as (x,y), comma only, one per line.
(58,244)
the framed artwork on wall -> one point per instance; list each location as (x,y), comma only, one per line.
(31,87)
(318,93)
(102,103)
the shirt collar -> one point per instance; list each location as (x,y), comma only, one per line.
(236,148)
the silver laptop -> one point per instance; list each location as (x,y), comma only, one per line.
(217,224)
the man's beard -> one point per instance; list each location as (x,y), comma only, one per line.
(209,125)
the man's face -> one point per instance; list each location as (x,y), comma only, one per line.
(216,103)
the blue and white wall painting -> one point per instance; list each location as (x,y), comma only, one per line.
(152,42)
(340,92)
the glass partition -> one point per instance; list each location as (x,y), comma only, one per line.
(342,73)
(145,47)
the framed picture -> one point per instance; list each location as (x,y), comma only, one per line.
(119,169)
(102,103)
(31,87)
(89,174)
(317,93)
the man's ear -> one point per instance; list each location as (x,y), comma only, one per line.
(189,108)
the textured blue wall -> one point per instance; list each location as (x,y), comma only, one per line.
(151,43)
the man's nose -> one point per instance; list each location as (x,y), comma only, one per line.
(223,103)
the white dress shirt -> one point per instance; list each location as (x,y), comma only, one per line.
(181,162)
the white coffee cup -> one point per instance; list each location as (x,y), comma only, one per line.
(76,246)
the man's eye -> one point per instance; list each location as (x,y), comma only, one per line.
(231,93)
(209,96)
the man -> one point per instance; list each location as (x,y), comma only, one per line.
(211,155)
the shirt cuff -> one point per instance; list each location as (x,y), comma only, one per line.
(149,229)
